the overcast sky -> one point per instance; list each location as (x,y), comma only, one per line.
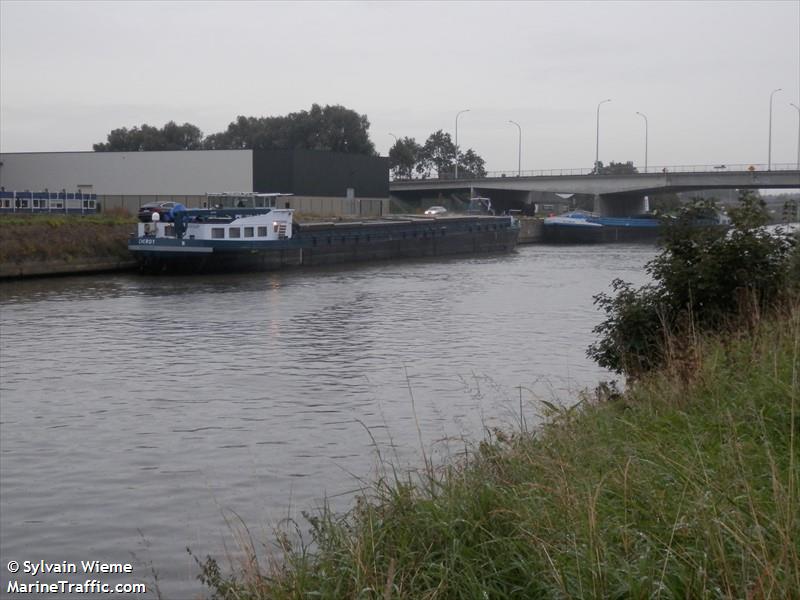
(702,72)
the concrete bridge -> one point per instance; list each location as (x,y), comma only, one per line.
(615,195)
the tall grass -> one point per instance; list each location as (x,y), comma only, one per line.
(686,486)
(113,216)
(56,237)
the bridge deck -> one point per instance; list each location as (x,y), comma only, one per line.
(781,176)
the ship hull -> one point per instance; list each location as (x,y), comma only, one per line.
(583,228)
(577,234)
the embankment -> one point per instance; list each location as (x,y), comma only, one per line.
(531,230)
(686,486)
(37,245)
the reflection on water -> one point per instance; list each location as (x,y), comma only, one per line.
(139,414)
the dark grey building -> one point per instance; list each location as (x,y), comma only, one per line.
(316,173)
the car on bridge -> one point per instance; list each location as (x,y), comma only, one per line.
(436,210)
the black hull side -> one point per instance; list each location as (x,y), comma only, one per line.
(574,234)
(319,250)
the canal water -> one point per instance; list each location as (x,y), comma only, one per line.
(142,415)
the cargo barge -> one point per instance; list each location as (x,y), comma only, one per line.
(247,239)
(578,227)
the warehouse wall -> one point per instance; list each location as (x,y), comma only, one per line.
(318,173)
(130,173)
(306,173)
(332,174)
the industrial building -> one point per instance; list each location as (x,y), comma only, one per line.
(325,183)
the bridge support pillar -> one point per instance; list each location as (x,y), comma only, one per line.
(598,205)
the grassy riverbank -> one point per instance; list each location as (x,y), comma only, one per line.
(40,244)
(687,486)
(63,237)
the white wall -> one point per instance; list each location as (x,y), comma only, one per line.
(146,173)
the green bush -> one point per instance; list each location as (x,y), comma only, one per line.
(704,278)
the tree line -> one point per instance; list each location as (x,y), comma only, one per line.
(438,155)
(330,128)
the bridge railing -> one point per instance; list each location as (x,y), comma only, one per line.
(657,170)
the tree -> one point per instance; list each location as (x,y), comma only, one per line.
(332,128)
(337,129)
(471,165)
(438,154)
(615,168)
(244,132)
(435,158)
(403,157)
(146,138)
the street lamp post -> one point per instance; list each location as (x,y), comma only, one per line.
(396,142)
(769,151)
(519,152)
(798,133)
(459,113)
(597,145)
(645,138)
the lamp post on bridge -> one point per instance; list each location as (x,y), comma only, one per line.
(798,133)
(519,152)
(769,151)
(459,113)
(597,145)
(645,138)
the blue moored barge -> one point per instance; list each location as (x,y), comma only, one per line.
(583,227)
(578,227)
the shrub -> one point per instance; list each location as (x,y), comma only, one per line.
(704,278)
